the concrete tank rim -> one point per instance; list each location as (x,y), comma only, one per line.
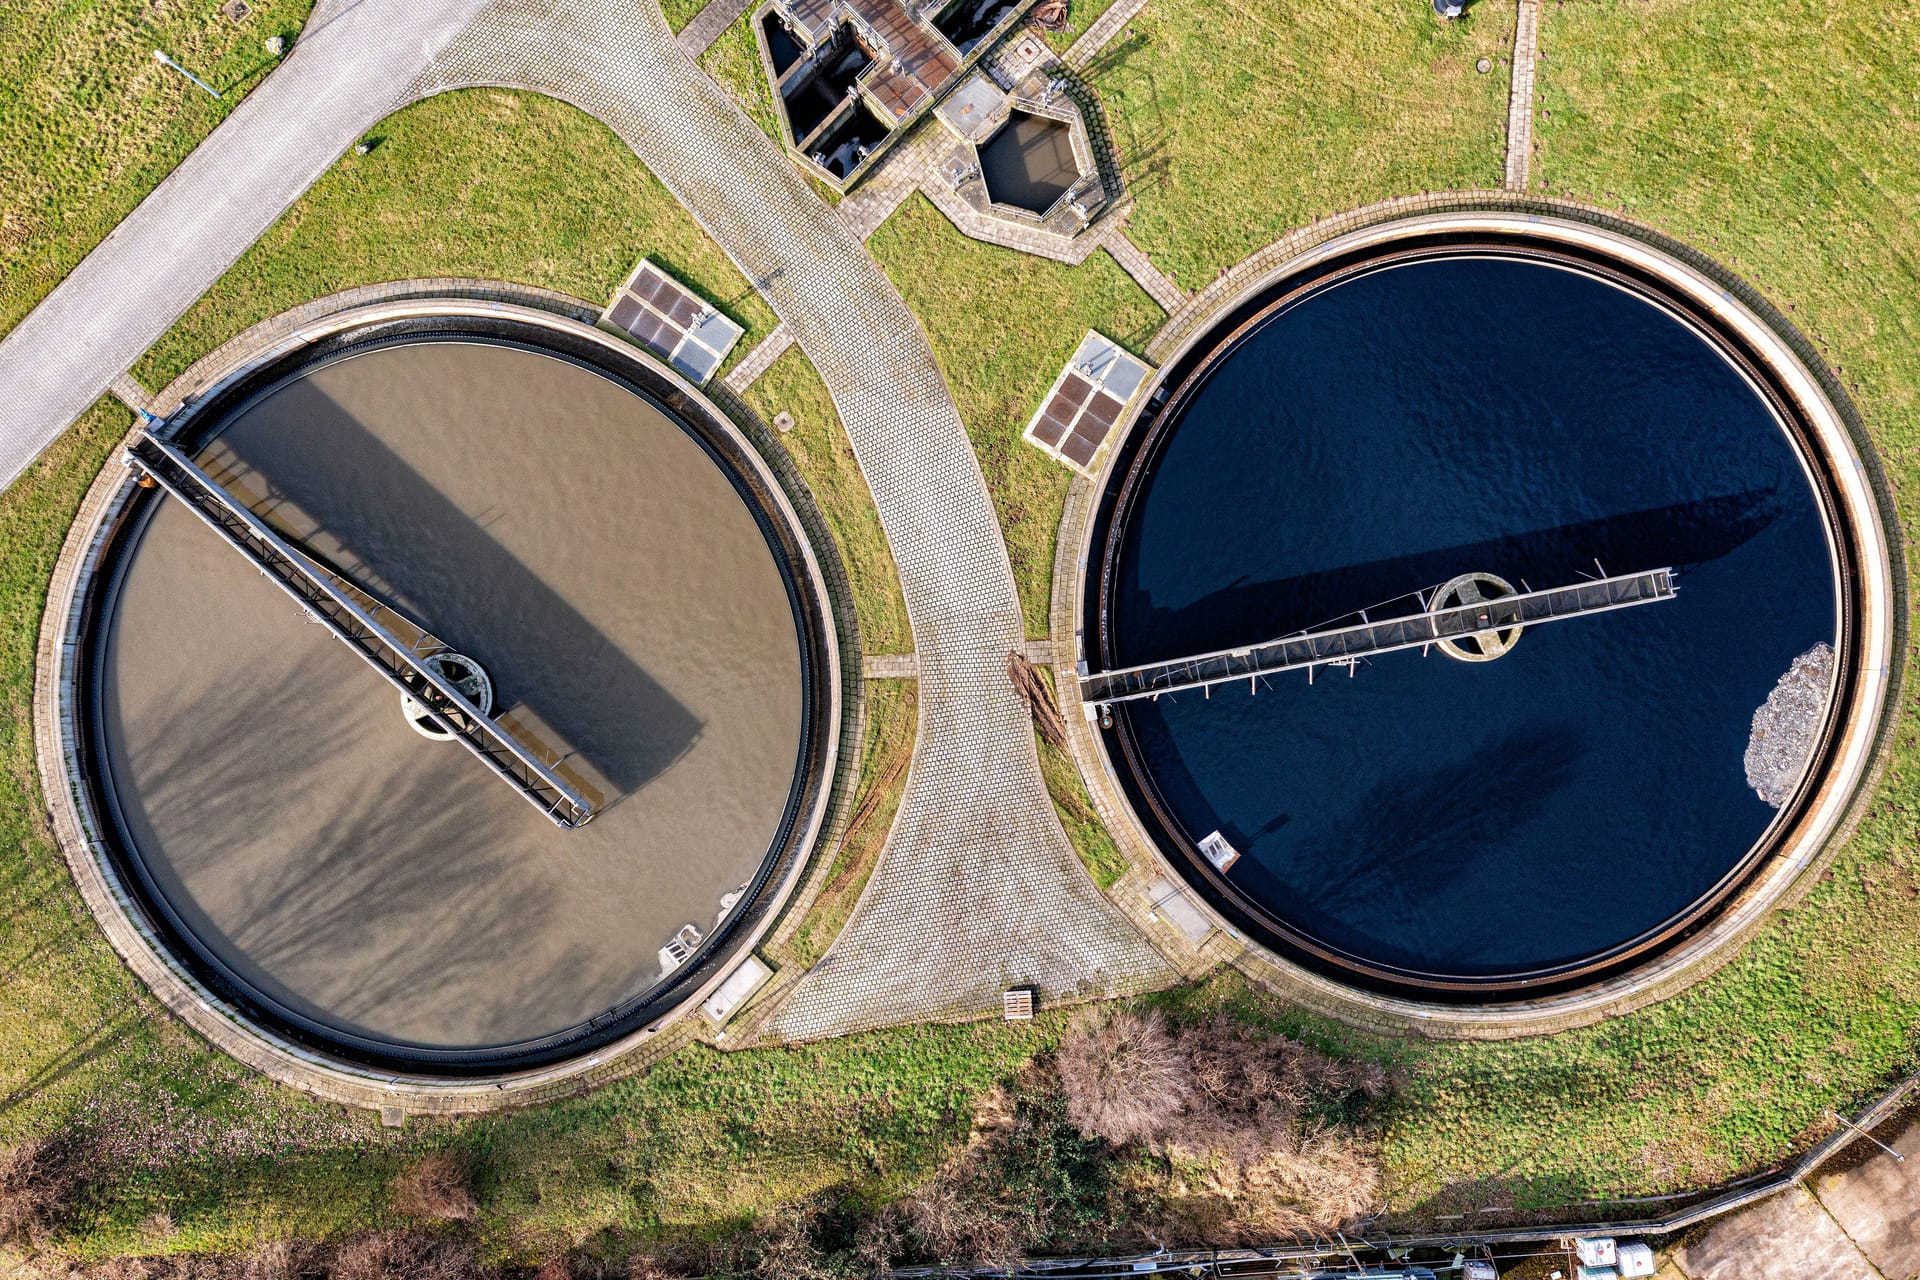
(1843,791)
(117,909)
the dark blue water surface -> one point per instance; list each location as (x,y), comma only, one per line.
(1431,419)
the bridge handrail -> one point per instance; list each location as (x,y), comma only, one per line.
(309,584)
(1308,649)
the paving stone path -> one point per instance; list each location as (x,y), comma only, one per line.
(759,360)
(1104,29)
(978,889)
(1159,286)
(1526,51)
(1862,1223)
(697,36)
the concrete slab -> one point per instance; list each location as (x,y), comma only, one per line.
(1785,1237)
(1878,1205)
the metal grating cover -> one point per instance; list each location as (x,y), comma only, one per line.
(674,323)
(1086,401)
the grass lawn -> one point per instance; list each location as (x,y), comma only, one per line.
(1239,122)
(680,12)
(477,183)
(90,122)
(1081,14)
(893,718)
(1001,324)
(820,448)
(1781,139)
(734,61)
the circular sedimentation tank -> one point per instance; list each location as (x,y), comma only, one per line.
(600,558)
(1435,418)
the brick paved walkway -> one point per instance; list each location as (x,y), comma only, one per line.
(978,888)
(1104,29)
(1526,48)
(697,36)
(1159,286)
(759,360)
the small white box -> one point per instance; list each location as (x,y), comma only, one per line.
(1636,1260)
(1479,1269)
(1596,1251)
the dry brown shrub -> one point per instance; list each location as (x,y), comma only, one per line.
(1124,1077)
(281,1260)
(555,1268)
(437,1187)
(38,1180)
(956,1225)
(651,1266)
(1249,1160)
(414,1254)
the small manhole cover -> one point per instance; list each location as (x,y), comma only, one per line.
(237,10)
(783,420)
(1484,65)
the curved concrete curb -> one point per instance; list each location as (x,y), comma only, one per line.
(224,1025)
(1860,486)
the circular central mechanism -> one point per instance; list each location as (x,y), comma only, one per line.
(1465,591)
(1320,457)
(464,674)
(641,642)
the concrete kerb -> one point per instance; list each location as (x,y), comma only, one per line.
(223,1025)
(1861,487)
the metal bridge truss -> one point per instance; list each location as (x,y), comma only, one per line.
(371,629)
(1344,645)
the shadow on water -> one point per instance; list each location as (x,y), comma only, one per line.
(1407,835)
(394,919)
(1679,535)
(403,540)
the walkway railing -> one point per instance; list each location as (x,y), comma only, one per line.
(1309,649)
(354,616)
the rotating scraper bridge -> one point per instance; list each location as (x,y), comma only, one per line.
(1345,645)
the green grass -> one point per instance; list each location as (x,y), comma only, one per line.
(90,122)
(1091,841)
(1239,122)
(477,183)
(1001,325)
(819,447)
(1781,139)
(893,719)
(680,12)
(1081,14)
(734,61)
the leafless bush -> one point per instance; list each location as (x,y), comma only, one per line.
(38,1179)
(1125,1079)
(436,1187)
(406,1255)
(1246,1117)
(280,1260)
(555,1268)
(954,1223)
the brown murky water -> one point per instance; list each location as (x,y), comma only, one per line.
(594,559)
